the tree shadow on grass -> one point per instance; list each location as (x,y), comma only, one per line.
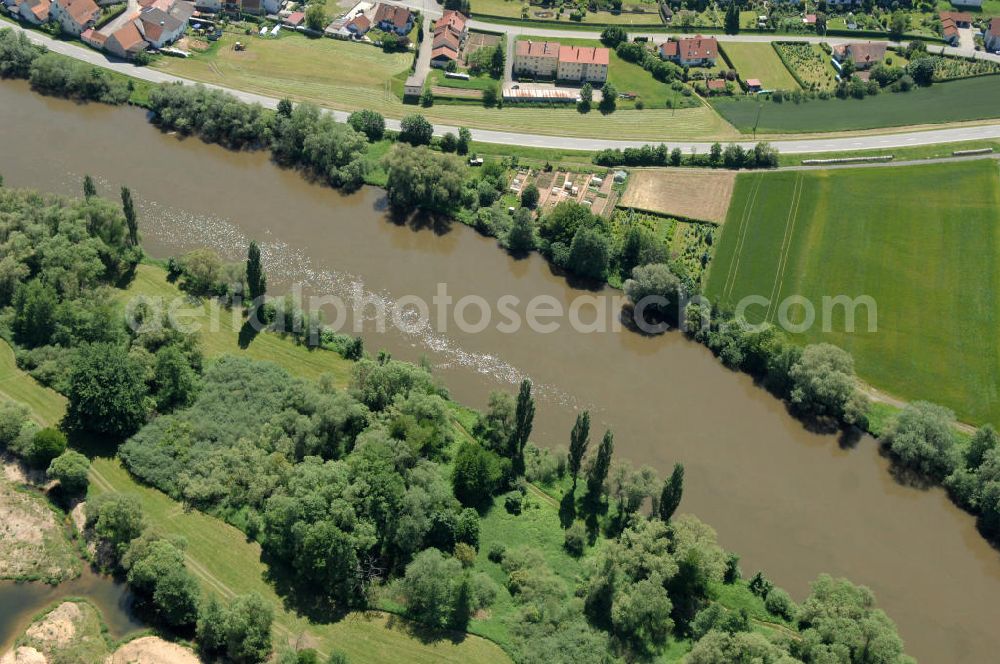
(297,597)
(423,633)
(248,332)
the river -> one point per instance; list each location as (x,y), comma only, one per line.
(21,602)
(791,502)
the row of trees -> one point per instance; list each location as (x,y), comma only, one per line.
(58,75)
(732,156)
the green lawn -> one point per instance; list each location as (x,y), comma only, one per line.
(953,101)
(47,406)
(753,60)
(350,76)
(512,9)
(900,154)
(922,241)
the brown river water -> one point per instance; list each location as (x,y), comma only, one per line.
(791,502)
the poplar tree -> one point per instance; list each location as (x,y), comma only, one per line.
(256,279)
(89,188)
(524,416)
(579,438)
(128,208)
(670,495)
(598,473)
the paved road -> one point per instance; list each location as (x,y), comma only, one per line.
(423,66)
(798,146)
(131,11)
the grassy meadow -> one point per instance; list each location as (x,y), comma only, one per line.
(952,101)
(922,241)
(759,60)
(350,76)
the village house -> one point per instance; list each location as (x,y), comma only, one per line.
(35,11)
(94,38)
(991,38)
(126,42)
(694,51)
(450,33)
(951,22)
(862,55)
(583,63)
(359,25)
(391,18)
(74,16)
(538,59)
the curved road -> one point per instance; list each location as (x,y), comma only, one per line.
(796,146)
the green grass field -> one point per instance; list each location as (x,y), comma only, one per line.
(922,241)
(953,101)
(350,76)
(759,61)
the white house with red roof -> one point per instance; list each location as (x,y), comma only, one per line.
(393,18)
(75,16)
(35,11)
(588,64)
(694,51)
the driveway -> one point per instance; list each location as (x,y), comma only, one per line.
(508,65)
(130,13)
(423,66)
(967,39)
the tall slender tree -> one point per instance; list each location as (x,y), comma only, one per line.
(128,209)
(670,495)
(579,438)
(89,188)
(524,416)
(256,279)
(599,470)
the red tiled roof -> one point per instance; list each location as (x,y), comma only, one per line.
(698,48)
(81,11)
(957,17)
(446,38)
(447,52)
(361,22)
(754,83)
(668,49)
(398,16)
(41,9)
(295,18)
(585,55)
(810,19)
(534,49)
(948,28)
(717,84)
(128,37)
(995,27)
(867,52)
(451,19)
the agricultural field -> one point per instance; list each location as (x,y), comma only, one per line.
(980,99)
(346,76)
(930,263)
(758,60)
(810,63)
(697,194)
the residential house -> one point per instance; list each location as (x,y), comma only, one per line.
(158,27)
(359,25)
(75,16)
(949,30)
(694,51)
(810,20)
(862,55)
(35,11)
(991,38)
(272,7)
(971,4)
(583,63)
(449,35)
(753,85)
(536,59)
(126,42)
(295,19)
(391,18)
(94,38)
(13,6)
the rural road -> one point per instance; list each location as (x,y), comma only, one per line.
(795,146)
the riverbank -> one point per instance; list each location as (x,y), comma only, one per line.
(659,394)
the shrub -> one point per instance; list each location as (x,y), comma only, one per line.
(70,469)
(46,445)
(575,539)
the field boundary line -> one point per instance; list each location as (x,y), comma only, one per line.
(741,237)
(786,243)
